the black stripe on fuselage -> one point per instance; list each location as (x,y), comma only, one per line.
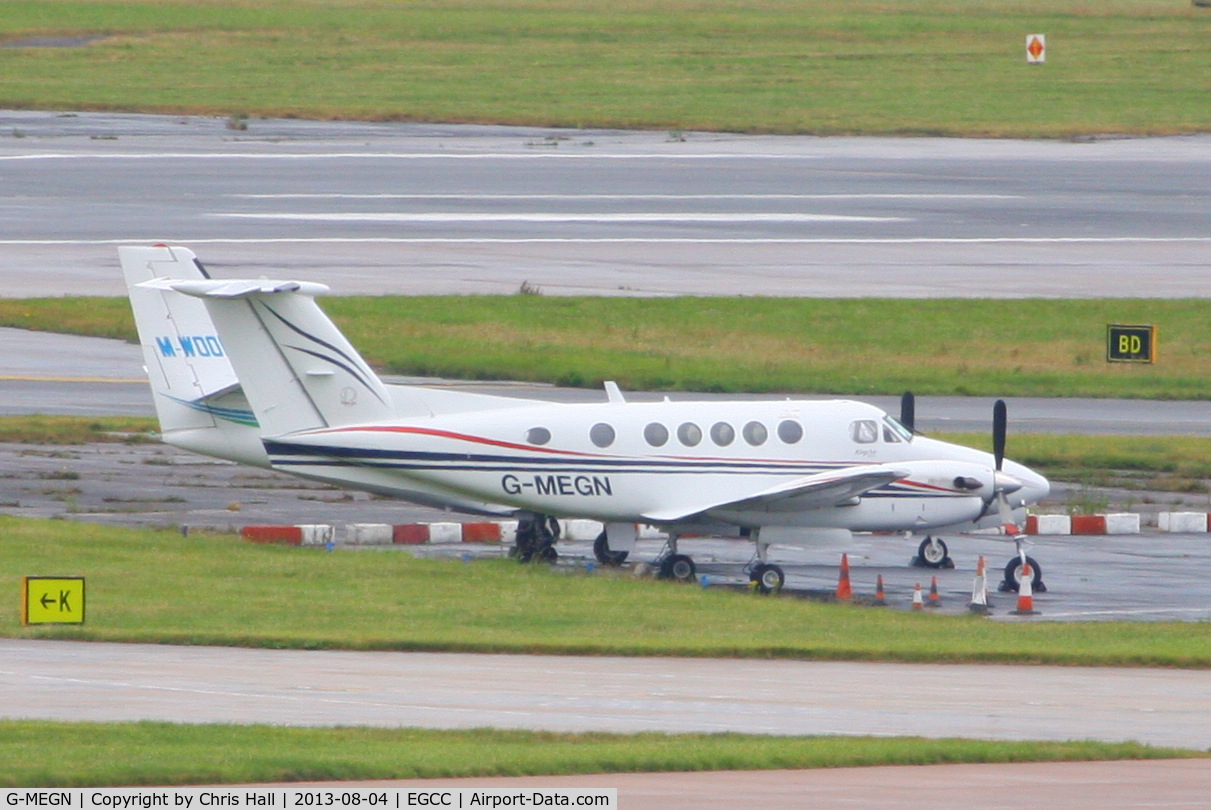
(287,455)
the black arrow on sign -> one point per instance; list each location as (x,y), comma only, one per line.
(48,601)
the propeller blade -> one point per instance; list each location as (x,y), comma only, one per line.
(1008,525)
(908,411)
(1006,484)
(1000,421)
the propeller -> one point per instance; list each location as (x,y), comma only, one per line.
(1003,483)
(908,411)
(1000,425)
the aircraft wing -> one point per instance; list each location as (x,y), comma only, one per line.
(817,491)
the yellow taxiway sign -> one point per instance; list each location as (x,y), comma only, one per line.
(52,600)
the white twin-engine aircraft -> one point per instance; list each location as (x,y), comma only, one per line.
(254,371)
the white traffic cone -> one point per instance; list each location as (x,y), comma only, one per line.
(979,591)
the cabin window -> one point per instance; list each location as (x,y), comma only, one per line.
(538,435)
(723,434)
(601,434)
(656,434)
(790,431)
(689,434)
(864,431)
(755,433)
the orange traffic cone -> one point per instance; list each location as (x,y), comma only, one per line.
(880,596)
(1025,593)
(845,593)
(979,591)
(935,601)
(917,602)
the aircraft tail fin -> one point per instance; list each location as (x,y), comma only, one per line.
(185,361)
(297,369)
(197,396)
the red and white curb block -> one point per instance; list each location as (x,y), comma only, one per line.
(1183,522)
(1117,523)
(505,531)
(385,534)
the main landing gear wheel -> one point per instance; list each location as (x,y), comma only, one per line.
(767,578)
(933,553)
(601,550)
(1013,576)
(536,538)
(678,567)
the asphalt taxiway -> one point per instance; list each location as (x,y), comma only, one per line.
(104,682)
(404,208)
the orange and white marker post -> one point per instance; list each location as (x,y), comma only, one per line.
(979,591)
(1036,49)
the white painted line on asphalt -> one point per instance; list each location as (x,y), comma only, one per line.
(288,156)
(653,216)
(337,196)
(822,240)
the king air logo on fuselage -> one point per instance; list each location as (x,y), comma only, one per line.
(190,346)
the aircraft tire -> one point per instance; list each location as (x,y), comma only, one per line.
(678,567)
(933,553)
(768,578)
(1013,579)
(603,553)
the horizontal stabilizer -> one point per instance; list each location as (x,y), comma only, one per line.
(242,288)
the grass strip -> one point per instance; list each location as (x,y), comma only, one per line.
(936,67)
(115,754)
(44,429)
(155,586)
(824,346)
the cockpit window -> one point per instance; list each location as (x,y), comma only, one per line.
(893,431)
(864,431)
